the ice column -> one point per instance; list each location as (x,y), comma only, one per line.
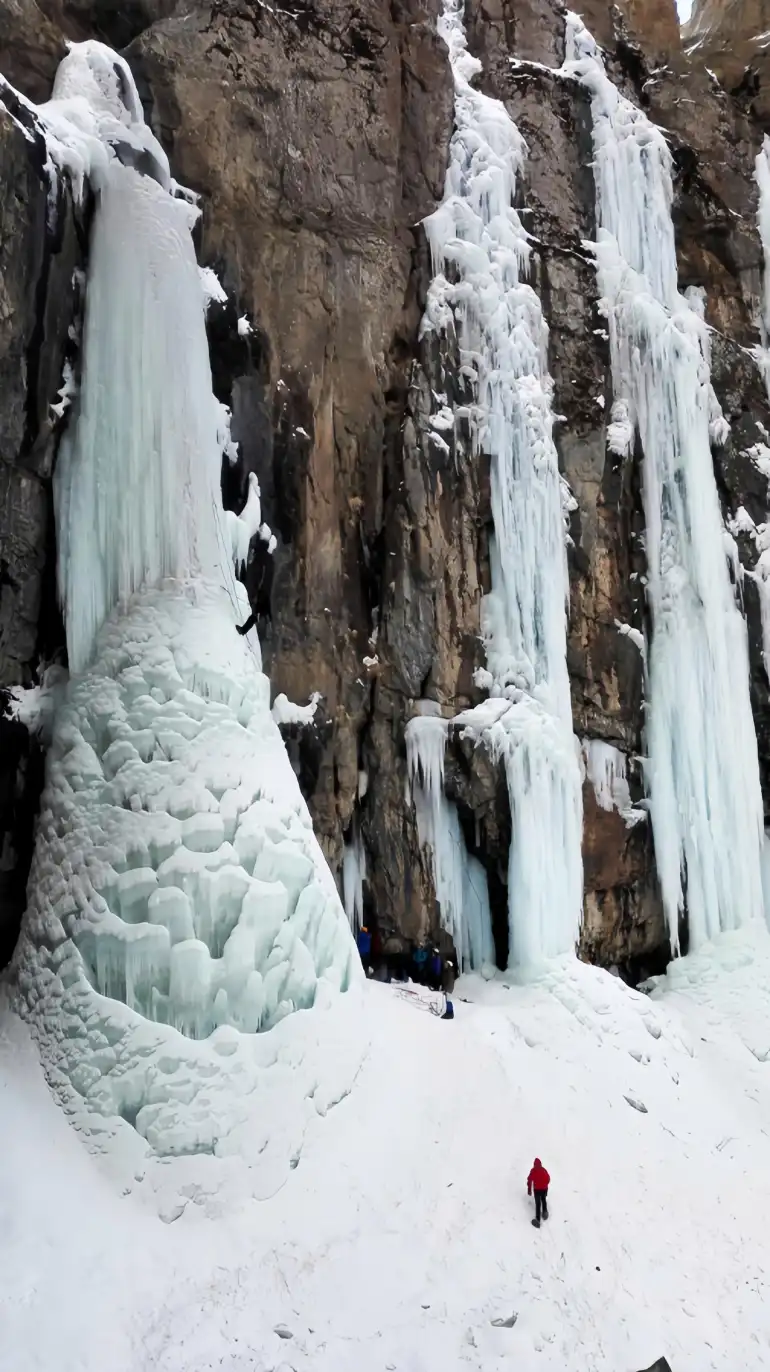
(702,774)
(459,878)
(353,878)
(137,477)
(763,220)
(480,256)
(177,893)
(760,454)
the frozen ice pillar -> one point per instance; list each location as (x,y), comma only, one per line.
(177,893)
(459,878)
(137,477)
(481,255)
(702,773)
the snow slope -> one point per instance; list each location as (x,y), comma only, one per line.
(403,1230)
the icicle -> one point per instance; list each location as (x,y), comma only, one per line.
(480,255)
(138,472)
(353,878)
(460,880)
(606,770)
(763,219)
(703,774)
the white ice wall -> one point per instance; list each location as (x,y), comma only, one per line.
(481,260)
(702,769)
(459,878)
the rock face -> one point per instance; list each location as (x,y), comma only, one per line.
(317,137)
(733,38)
(39,252)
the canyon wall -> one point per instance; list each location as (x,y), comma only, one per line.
(317,137)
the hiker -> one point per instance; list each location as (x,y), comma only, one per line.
(448,977)
(538,1181)
(364,942)
(419,965)
(436,966)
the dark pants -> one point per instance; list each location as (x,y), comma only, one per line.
(541,1204)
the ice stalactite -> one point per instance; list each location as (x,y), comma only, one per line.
(177,890)
(137,479)
(605,768)
(702,770)
(353,878)
(762,167)
(459,878)
(481,258)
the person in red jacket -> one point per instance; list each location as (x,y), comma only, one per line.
(538,1181)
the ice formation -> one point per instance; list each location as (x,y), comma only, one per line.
(353,878)
(763,222)
(459,878)
(606,770)
(137,477)
(177,891)
(760,454)
(480,255)
(702,774)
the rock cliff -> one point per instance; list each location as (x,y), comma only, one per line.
(733,38)
(316,135)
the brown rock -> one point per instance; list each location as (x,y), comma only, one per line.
(37,259)
(733,38)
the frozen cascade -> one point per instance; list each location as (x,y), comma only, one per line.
(606,770)
(177,891)
(763,222)
(761,571)
(480,257)
(703,774)
(353,878)
(459,878)
(138,472)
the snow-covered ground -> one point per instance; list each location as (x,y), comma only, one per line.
(401,1231)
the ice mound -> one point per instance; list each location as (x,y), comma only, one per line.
(177,890)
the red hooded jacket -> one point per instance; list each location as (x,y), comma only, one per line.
(538,1177)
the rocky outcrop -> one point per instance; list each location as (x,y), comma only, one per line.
(732,37)
(317,135)
(40,249)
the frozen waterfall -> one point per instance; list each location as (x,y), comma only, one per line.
(702,770)
(178,899)
(459,878)
(480,257)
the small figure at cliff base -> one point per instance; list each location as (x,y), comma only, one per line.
(538,1181)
